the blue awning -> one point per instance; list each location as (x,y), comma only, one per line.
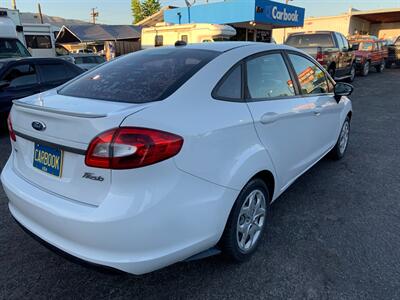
(239,11)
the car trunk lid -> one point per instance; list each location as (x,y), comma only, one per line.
(53,157)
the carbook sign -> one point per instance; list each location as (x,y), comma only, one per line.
(279,14)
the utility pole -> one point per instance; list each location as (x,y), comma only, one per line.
(14,4)
(40,13)
(94,14)
(284,29)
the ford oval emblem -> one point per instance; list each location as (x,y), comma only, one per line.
(39,126)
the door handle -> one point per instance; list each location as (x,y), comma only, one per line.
(269,118)
(317,111)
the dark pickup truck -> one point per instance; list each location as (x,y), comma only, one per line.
(394,53)
(331,49)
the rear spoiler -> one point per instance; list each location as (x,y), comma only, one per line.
(24,105)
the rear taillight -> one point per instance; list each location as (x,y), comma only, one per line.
(10,129)
(320,56)
(131,147)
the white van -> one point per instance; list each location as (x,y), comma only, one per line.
(40,39)
(11,35)
(166,34)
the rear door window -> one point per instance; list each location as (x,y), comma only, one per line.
(268,77)
(54,72)
(143,76)
(21,76)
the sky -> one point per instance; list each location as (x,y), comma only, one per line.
(118,11)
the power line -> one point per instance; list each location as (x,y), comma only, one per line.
(94,14)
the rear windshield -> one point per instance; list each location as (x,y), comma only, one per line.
(366,46)
(143,76)
(310,40)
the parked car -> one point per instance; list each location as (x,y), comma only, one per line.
(394,53)
(331,49)
(384,46)
(161,172)
(20,78)
(87,61)
(369,55)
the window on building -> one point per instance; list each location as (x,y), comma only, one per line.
(268,77)
(38,41)
(184,38)
(231,86)
(159,41)
(311,78)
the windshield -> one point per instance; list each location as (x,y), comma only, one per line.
(140,77)
(364,46)
(311,40)
(12,48)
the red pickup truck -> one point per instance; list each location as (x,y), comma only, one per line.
(369,54)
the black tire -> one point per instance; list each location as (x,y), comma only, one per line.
(353,72)
(337,152)
(229,243)
(388,64)
(380,67)
(365,69)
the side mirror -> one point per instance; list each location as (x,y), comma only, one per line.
(343,89)
(4,84)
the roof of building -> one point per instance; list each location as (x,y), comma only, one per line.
(97,32)
(391,15)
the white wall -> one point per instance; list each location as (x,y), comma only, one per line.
(336,23)
(386,30)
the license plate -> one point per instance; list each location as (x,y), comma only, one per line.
(48,159)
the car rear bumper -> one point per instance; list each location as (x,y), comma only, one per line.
(175,227)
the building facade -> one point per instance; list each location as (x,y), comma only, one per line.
(383,23)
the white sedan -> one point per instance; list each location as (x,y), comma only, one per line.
(164,154)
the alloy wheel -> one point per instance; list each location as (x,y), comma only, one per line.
(366,69)
(344,137)
(251,220)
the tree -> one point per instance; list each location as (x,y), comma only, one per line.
(150,7)
(137,12)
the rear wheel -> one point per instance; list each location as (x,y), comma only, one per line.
(388,64)
(247,222)
(365,70)
(380,67)
(340,148)
(352,73)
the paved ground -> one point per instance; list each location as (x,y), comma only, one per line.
(335,234)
